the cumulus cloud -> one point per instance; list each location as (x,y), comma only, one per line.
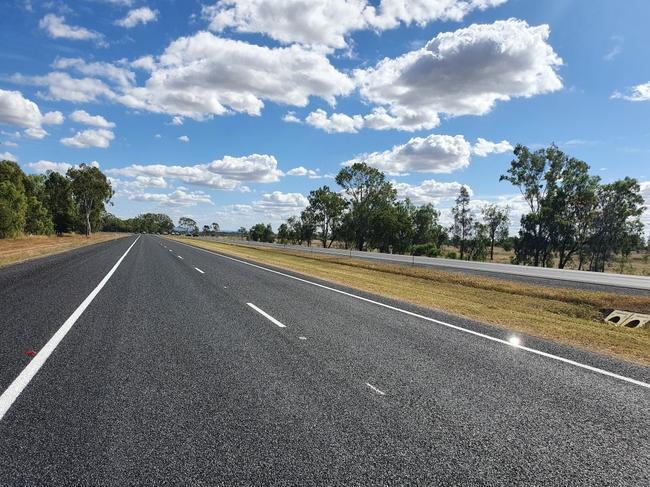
(484,148)
(43,166)
(431,154)
(19,111)
(428,191)
(8,156)
(184,138)
(225,174)
(142,15)
(56,28)
(465,72)
(303,171)
(61,86)
(335,123)
(179,197)
(291,117)
(90,138)
(326,23)
(280,202)
(203,75)
(82,116)
(177,121)
(117,74)
(636,93)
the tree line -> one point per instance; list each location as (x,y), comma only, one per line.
(44,204)
(572,218)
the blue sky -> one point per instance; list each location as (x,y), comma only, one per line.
(232,111)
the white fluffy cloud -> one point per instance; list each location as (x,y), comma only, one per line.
(179,197)
(61,86)
(637,93)
(428,191)
(225,174)
(117,74)
(303,171)
(8,156)
(56,28)
(82,116)
(326,23)
(19,111)
(465,72)
(431,154)
(60,167)
(90,138)
(484,148)
(184,138)
(284,203)
(335,123)
(142,15)
(204,75)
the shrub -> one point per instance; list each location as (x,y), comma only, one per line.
(451,255)
(427,249)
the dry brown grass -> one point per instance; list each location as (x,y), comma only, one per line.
(31,247)
(568,316)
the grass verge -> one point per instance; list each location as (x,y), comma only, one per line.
(13,250)
(569,316)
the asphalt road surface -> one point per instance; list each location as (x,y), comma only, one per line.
(594,281)
(169,365)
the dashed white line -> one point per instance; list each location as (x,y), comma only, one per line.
(180,257)
(381,393)
(199,270)
(18,385)
(266,315)
(170,250)
(433,320)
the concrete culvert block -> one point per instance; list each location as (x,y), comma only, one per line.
(636,320)
(617,317)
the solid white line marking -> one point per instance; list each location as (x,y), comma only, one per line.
(16,387)
(199,270)
(266,315)
(381,393)
(302,338)
(433,320)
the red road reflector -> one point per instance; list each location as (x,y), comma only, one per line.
(30,353)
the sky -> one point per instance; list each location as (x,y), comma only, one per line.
(232,111)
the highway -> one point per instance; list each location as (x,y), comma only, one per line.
(158,363)
(596,281)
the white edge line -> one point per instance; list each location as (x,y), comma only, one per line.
(433,320)
(381,393)
(199,270)
(18,385)
(266,315)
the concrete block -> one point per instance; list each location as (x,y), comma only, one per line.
(637,320)
(617,317)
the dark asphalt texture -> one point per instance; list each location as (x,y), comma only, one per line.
(169,378)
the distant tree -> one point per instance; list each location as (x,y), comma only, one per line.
(58,195)
(497,220)
(426,226)
(479,244)
(215,228)
(326,209)
(13,201)
(283,233)
(307,226)
(242,232)
(206,230)
(368,192)
(463,225)
(256,232)
(91,190)
(188,225)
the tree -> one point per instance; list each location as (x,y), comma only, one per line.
(13,202)
(206,230)
(242,232)
(215,228)
(496,221)
(188,225)
(91,190)
(368,192)
(283,233)
(58,197)
(477,246)
(327,209)
(461,229)
(617,226)
(426,228)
